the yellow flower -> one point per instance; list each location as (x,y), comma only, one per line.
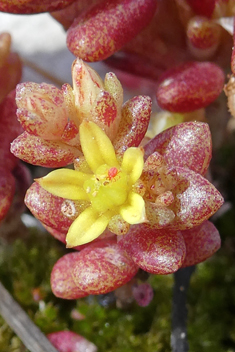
(108,185)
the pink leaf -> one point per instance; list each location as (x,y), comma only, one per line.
(62,283)
(104,28)
(68,341)
(102,267)
(185,145)
(134,123)
(201,243)
(155,251)
(196,199)
(47,208)
(190,86)
(37,151)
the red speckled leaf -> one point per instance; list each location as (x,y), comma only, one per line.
(68,341)
(104,113)
(190,86)
(37,151)
(186,145)
(202,7)
(62,283)
(41,109)
(201,243)
(203,33)
(7,190)
(102,267)
(155,251)
(196,199)
(104,28)
(47,208)
(32,6)
(134,123)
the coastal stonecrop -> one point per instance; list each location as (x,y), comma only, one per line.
(123,206)
(129,204)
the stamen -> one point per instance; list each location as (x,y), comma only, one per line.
(112,172)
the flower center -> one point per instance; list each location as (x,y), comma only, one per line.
(107,188)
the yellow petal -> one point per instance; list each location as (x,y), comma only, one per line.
(96,146)
(88,226)
(134,211)
(65,183)
(133,163)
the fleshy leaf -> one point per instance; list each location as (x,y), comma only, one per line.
(158,215)
(190,86)
(87,84)
(155,251)
(105,113)
(201,243)
(202,7)
(114,87)
(102,267)
(37,151)
(95,35)
(41,109)
(186,145)
(196,199)
(47,208)
(68,341)
(62,283)
(134,123)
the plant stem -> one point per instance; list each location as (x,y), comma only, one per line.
(31,336)
(179,341)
